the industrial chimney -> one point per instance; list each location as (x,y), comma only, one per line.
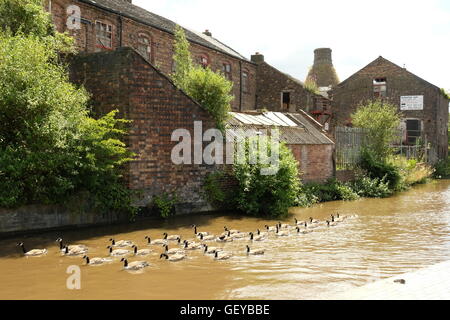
(323,72)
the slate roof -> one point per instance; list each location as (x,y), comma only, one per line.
(295,128)
(129,10)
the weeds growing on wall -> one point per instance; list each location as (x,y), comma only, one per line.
(165,204)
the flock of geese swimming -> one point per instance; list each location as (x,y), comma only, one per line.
(124,248)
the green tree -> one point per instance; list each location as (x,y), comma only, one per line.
(381,120)
(49,146)
(210,89)
(267,195)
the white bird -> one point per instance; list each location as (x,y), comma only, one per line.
(281,233)
(121,243)
(303,231)
(173,251)
(331,224)
(299,223)
(256,238)
(32,253)
(311,220)
(158,242)
(311,225)
(206,238)
(171,238)
(96,261)
(222,255)
(211,250)
(224,238)
(118,252)
(338,218)
(283,226)
(71,247)
(173,258)
(199,233)
(231,231)
(271,229)
(141,252)
(74,251)
(135,265)
(256,252)
(192,246)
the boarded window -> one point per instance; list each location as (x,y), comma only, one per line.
(103,34)
(379,88)
(226,69)
(286,100)
(145,46)
(245,81)
(413,131)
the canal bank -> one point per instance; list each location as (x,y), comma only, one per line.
(385,238)
(432,283)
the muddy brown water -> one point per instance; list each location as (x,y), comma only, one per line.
(389,237)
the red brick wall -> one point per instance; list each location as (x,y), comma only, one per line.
(348,95)
(315,161)
(123,79)
(125,34)
(270,85)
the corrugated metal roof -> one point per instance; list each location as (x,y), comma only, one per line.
(294,128)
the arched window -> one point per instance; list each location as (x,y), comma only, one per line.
(226,69)
(145,46)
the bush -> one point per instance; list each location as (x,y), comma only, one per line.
(217,194)
(381,121)
(411,171)
(442,169)
(267,195)
(372,188)
(165,204)
(332,190)
(381,170)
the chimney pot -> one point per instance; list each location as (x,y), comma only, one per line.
(208,33)
(257,57)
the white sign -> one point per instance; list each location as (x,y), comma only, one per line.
(408,103)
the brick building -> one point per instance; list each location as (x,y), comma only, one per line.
(424,107)
(107,25)
(124,61)
(278,91)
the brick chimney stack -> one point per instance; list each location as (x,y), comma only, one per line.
(323,72)
(257,58)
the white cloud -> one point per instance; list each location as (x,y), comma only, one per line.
(415,33)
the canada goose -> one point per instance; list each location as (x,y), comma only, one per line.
(173,251)
(222,255)
(311,225)
(256,252)
(171,238)
(207,238)
(32,253)
(142,252)
(338,218)
(299,223)
(173,258)
(95,261)
(303,231)
(313,221)
(121,243)
(270,229)
(257,238)
(74,251)
(283,225)
(158,242)
(231,231)
(72,246)
(224,238)
(192,246)
(211,250)
(117,252)
(331,223)
(239,235)
(281,233)
(135,265)
(199,233)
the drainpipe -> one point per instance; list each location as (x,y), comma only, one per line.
(240,89)
(120,31)
(50,6)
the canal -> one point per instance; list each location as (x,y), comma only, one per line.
(387,237)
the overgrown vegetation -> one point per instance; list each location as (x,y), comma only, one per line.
(311,86)
(210,89)
(165,204)
(445,93)
(50,148)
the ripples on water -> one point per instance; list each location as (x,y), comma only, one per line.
(389,237)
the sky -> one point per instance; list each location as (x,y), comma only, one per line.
(411,33)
